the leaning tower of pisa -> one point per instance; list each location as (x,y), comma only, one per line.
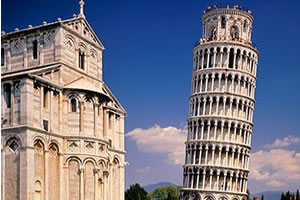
(221,107)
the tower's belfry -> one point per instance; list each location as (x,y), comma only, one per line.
(221,107)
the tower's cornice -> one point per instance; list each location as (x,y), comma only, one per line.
(234,10)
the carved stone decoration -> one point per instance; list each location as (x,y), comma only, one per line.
(73,145)
(17,46)
(38,147)
(208,198)
(89,146)
(105,173)
(192,195)
(12,144)
(17,88)
(53,151)
(102,148)
(48,38)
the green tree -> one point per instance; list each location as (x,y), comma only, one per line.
(248,194)
(262,197)
(136,192)
(297,195)
(282,196)
(165,193)
(288,195)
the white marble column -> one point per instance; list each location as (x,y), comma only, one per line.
(226,158)
(213,155)
(206,154)
(202,130)
(81,183)
(206,82)
(203,181)
(221,59)
(46,164)
(215,53)
(217,107)
(208,130)
(204,106)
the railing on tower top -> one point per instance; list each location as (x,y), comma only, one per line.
(228,6)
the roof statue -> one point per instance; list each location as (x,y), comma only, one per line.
(81,4)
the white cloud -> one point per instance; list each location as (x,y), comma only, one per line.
(276,184)
(277,167)
(144,170)
(169,140)
(285,142)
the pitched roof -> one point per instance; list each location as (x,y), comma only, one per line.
(59,22)
(82,84)
(102,89)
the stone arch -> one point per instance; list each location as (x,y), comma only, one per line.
(209,197)
(234,32)
(212,33)
(55,142)
(116,177)
(74,101)
(102,164)
(70,42)
(82,46)
(76,158)
(89,98)
(74,171)
(223,197)
(90,159)
(89,182)
(94,53)
(235,198)
(54,169)
(38,190)
(39,162)
(12,138)
(41,139)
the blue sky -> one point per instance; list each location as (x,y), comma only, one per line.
(148,66)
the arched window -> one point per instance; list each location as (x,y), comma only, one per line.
(213,34)
(35,49)
(37,190)
(73,105)
(81,59)
(234,32)
(223,22)
(245,26)
(231,57)
(2,57)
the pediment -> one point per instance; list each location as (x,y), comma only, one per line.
(81,26)
(114,103)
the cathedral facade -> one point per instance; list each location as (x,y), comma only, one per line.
(62,127)
(220,120)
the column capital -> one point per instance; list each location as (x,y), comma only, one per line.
(81,169)
(96,171)
(106,173)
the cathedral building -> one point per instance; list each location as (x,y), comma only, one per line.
(220,120)
(62,128)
